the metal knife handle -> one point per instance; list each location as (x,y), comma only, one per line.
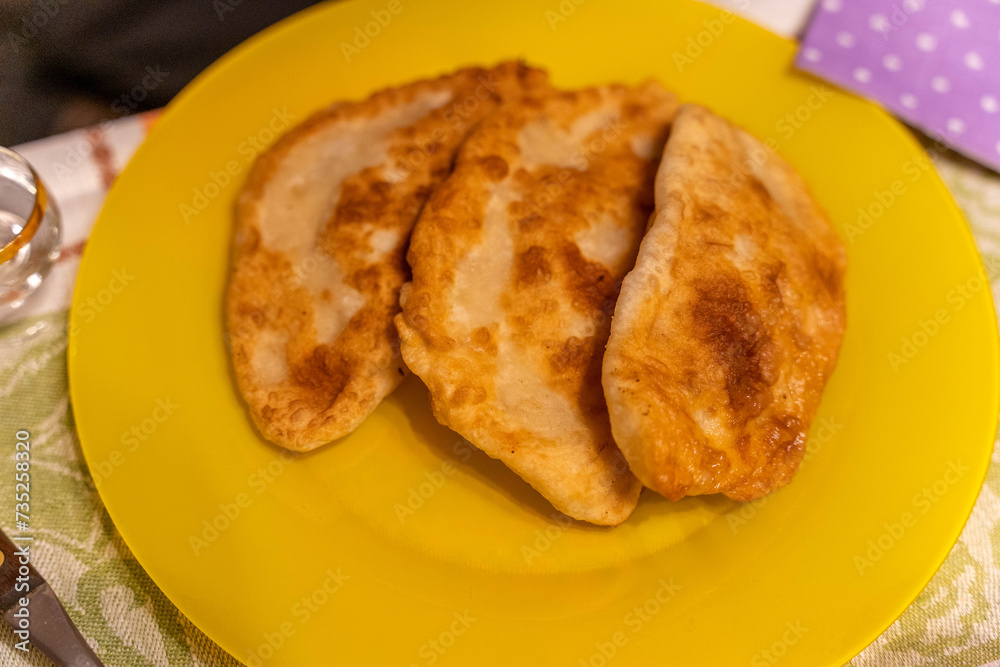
(53,633)
(11,590)
(49,627)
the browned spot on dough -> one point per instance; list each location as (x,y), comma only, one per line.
(482,340)
(829,273)
(324,374)
(707,213)
(532,267)
(367,280)
(530,222)
(771,276)
(784,433)
(494,167)
(468,395)
(632,112)
(725,318)
(743,445)
(573,355)
(713,459)
(362,200)
(587,282)
(481,336)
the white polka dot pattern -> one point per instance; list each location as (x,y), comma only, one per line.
(935,64)
(892,62)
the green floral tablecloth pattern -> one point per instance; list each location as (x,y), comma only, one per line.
(122,613)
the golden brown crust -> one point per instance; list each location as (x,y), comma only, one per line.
(322,224)
(729,326)
(516,264)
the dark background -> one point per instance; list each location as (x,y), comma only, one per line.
(71,63)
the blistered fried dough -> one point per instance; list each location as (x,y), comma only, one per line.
(729,325)
(322,224)
(516,264)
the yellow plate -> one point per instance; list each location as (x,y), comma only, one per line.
(399,545)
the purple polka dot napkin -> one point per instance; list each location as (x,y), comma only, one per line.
(934,63)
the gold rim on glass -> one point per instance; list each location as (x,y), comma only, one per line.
(34,220)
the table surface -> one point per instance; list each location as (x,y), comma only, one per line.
(954,622)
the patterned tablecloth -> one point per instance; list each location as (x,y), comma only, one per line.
(954,622)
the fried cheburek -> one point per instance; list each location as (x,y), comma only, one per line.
(516,264)
(322,224)
(729,325)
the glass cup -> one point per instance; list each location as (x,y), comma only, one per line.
(29,233)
